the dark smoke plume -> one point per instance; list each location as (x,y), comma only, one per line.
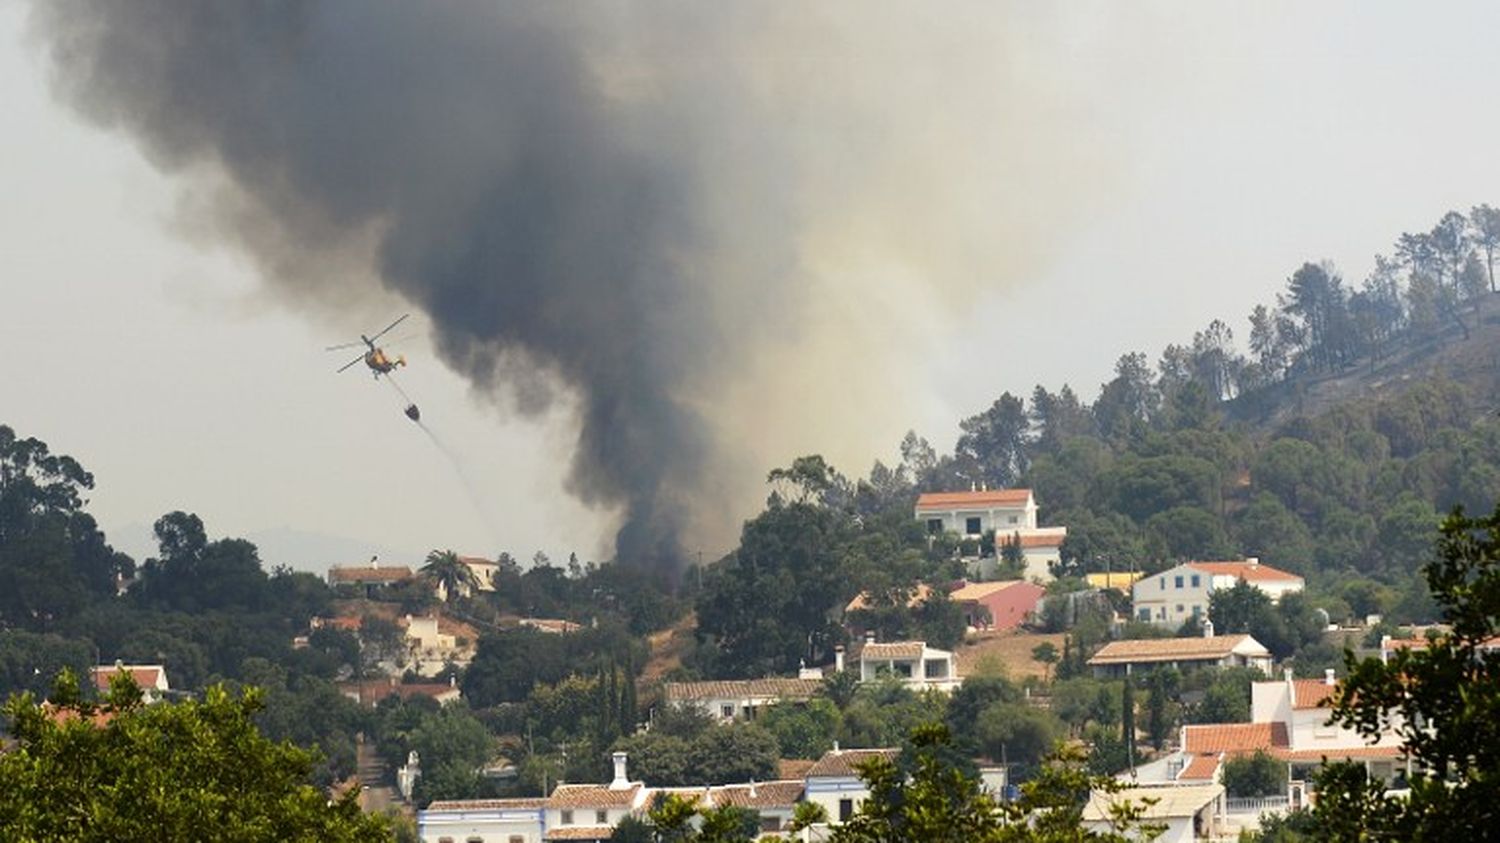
(646,207)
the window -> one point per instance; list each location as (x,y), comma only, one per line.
(1144,614)
(934,525)
(1013,519)
(1197,611)
(1179,608)
(445,840)
(1196,581)
(1163,583)
(846,810)
(726,711)
(516,838)
(567,817)
(971,526)
(601,817)
(1177,582)
(475,839)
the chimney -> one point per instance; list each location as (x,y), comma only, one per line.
(374,562)
(1252,561)
(838,658)
(1208,628)
(836,747)
(869,637)
(1328,677)
(621,782)
(752,788)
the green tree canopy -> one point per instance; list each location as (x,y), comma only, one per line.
(195,770)
(1444,702)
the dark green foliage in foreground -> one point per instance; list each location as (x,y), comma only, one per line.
(1447,699)
(173,771)
(925,796)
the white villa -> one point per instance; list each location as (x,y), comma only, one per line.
(835,784)
(1123,658)
(919,665)
(591,811)
(1289,722)
(484,574)
(1169,598)
(429,649)
(1189,812)
(740,698)
(1010,513)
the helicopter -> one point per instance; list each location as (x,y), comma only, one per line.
(380,363)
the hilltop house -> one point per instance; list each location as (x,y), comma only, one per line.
(1123,658)
(432,643)
(1010,513)
(151,678)
(484,576)
(365,579)
(1169,598)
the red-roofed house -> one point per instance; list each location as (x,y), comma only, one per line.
(152,679)
(366,579)
(1289,722)
(1010,513)
(1169,598)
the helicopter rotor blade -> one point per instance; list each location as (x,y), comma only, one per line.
(390,326)
(343,345)
(351,363)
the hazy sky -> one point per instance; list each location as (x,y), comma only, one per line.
(1199,153)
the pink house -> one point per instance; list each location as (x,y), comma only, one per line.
(1008,603)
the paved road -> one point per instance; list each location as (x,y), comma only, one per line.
(376,795)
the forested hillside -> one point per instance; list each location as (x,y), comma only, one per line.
(1328,447)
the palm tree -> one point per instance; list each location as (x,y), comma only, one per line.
(805,816)
(445,570)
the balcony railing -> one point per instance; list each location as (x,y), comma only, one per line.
(1255,804)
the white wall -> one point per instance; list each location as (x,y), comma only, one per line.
(492,826)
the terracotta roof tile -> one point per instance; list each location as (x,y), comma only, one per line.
(488,805)
(841,762)
(862,599)
(576,832)
(893,650)
(767,795)
(979,590)
(1244,570)
(145,675)
(794,768)
(1312,693)
(338,575)
(1054,537)
(592,796)
(1170,649)
(787,688)
(962,500)
(1337,754)
(1234,737)
(1201,768)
